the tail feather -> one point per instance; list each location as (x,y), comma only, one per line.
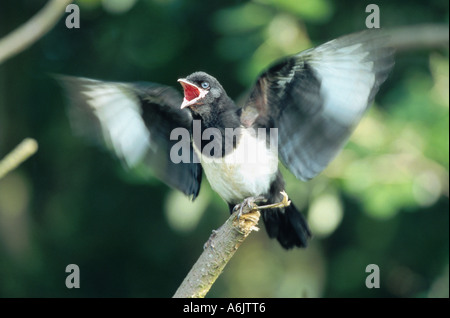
(288,226)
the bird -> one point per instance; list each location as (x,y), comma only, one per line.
(307,104)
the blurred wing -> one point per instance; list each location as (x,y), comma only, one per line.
(134,120)
(317,97)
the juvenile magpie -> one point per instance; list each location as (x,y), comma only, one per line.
(308,103)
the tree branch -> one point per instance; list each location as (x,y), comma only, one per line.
(24,36)
(23,151)
(424,36)
(219,249)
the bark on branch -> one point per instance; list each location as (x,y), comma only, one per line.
(219,249)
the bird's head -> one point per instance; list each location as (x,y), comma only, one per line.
(200,89)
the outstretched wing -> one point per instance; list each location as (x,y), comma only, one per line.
(134,120)
(317,97)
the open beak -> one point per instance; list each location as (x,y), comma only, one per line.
(192,93)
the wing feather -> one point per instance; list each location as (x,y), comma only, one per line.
(317,97)
(134,121)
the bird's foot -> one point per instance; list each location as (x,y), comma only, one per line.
(248,205)
(284,203)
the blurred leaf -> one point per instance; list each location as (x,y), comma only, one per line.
(309,10)
(241,19)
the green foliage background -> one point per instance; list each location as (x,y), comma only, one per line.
(383,201)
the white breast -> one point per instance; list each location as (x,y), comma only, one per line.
(247,171)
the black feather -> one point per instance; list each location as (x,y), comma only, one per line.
(143,115)
(317,97)
(287,224)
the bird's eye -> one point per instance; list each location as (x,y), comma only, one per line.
(205,85)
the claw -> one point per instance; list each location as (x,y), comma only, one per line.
(284,203)
(249,204)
